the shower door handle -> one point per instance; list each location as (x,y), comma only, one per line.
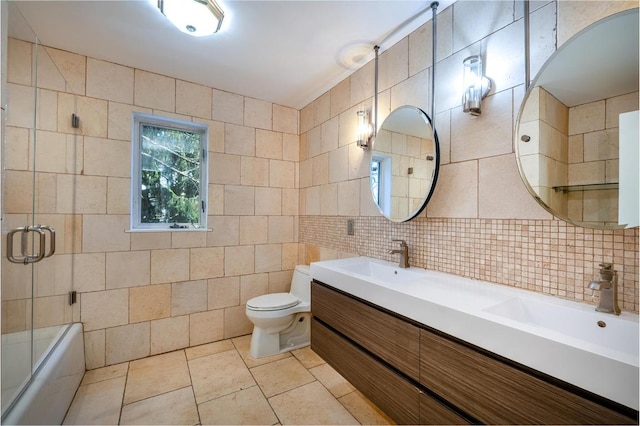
(27,257)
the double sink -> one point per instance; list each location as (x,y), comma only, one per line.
(565,339)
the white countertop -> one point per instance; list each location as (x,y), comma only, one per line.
(558,337)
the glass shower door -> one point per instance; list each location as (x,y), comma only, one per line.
(36,159)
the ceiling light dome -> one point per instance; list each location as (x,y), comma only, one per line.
(194,17)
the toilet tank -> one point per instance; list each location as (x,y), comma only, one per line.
(301,283)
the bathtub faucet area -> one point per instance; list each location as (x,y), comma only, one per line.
(607,285)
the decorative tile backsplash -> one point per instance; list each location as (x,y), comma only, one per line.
(547,256)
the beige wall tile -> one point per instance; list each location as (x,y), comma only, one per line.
(618,105)
(94,349)
(226,231)
(105,233)
(223,292)
(88,272)
(311,201)
(16,154)
(282,174)
(104,309)
(322,109)
(290,202)
(314,142)
(253,230)
(127,342)
(206,263)
(496,137)
(47,110)
(359,162)
(19,58)
(149,302)
(502,194)
(169,334)
(268,201)
(601,145)
(48,311)
(169,265)
(574,16)
(349,198)
(106,80)
(252,286)
(118,195)
(81,194)
(367,206)
(154,91)
(239,200)
(216,200)
(268,144)
(587,118)
(306,173)
(188,297)
(330,134)
(281,229)
(413,91)
(238,260)
(306,118)
(268,259)
(227,107)
(224,169)
(188,239)
(51,155)
(93,115)
(105,157)
(239,140)
(128,269)
(393,65)
(22,108)
(456,194)
(119,126)
(48,75)
(72,67)
(285,119)
(193,99)
(362,83)
(258,114)
(254,171)
(150,240)
(320,170)
(236,322)
(290,147)
(329,199)
(340,97)
(206,327)
(339,164)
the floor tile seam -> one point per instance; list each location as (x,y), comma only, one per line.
(293,388)
(153,396)
(106,378)
(193,391)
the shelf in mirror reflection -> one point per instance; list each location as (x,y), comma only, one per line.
(586,187)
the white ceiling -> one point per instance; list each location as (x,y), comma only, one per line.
(286,52)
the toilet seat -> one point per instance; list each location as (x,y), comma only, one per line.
(273,302)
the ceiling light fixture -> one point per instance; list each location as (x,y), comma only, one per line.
(194,17)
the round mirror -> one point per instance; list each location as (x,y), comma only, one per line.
(567,135)
(404,164)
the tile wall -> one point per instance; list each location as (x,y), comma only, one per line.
(481,221)
(145,293)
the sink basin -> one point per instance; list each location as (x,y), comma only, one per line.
(606,330)
(384,272)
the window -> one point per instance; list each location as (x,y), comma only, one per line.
(168,174)
(380,181)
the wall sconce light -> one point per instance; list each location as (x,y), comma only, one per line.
(476,85)
(194,17)
(365,129)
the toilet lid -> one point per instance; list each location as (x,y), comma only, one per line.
(273,302)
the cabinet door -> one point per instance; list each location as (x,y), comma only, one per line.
(497,393)
(392,393)
(391,338)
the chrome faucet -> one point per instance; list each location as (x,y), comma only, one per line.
(404,253)
(608,287)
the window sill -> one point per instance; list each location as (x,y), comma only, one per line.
(135,231)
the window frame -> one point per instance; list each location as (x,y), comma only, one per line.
(138,121)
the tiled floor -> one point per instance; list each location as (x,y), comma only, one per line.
(220,383)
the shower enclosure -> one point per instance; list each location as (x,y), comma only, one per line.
(41,234)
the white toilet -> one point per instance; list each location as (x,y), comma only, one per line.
(282,321)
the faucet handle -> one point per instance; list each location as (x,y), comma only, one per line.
(403,243)
(606,266)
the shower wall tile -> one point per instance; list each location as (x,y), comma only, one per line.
(149,302)
(104,309)
(258,114)
(227,107)
(72,67)
(106,80)
(19,56)
(107,157)
(285,120)
(127,342)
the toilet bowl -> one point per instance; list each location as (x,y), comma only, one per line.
(282,321)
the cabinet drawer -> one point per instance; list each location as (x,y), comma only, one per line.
(432,412)
(389,391)
(497,393)
(386,336)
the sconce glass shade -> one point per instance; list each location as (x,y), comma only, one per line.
(365,129)
(194,17)
(476,86)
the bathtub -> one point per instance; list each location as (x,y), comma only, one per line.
(49,392)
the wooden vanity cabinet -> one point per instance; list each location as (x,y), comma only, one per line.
(419,375)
